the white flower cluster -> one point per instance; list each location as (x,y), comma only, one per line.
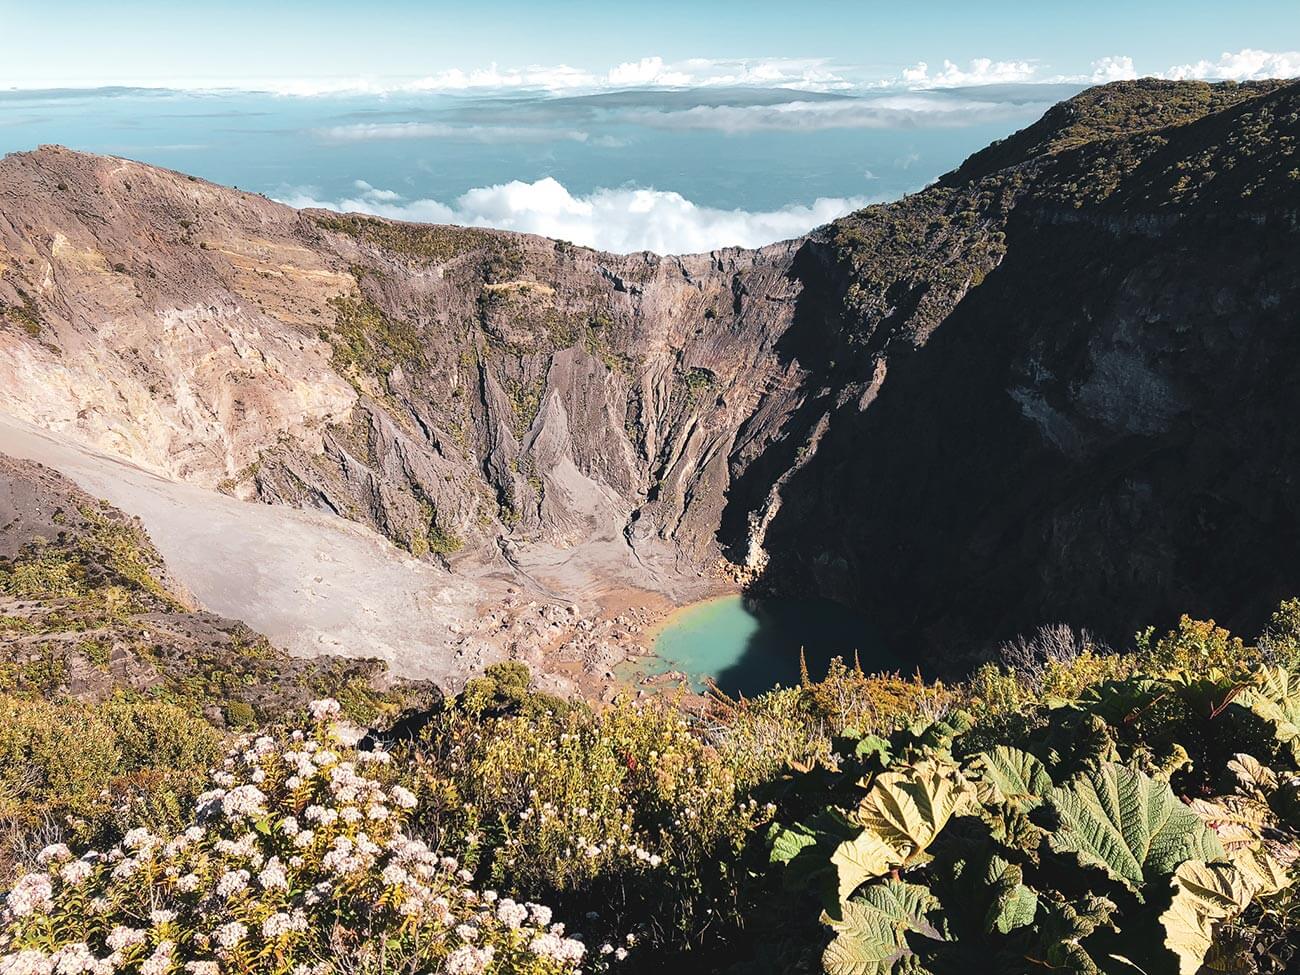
(291,844)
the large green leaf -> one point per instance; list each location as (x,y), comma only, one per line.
(1205,894)
(871,938)
(1014,904)
(1117,700)
(1274,695)
(1010,775)
(788,841)
(805,850)
(873,745)
(907,807)
(861,858)
(1064,926)
(1129,825)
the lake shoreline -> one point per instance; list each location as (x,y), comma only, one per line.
(747,643)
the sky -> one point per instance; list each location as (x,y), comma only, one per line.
(672,127)
(88,42)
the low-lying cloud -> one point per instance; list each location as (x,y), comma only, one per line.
(979,71)
(620,220)
(378,131)
(811,74)
(1115,68)
(903,110)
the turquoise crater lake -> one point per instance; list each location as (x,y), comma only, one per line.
(748,645)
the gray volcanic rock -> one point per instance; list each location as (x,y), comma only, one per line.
(444,386)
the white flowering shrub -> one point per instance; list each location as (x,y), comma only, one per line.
(298,861)
(625,813)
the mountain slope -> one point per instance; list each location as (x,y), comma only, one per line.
(87,608)
(1098,431)
(442,385)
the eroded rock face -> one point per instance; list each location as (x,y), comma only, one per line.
(445,386)
(1055,385)
(189,360)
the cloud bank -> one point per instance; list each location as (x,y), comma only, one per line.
(980,71)
(1245,65)
(797,74)
(1115,68)
(811,74)
(620,220)
(903,110)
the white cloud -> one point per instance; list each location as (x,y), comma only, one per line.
(375,131)
(800,74)
(809,74)
(1114,68)
(645,73)
(620,220)
(558,77)
(1245,65)
(930,109)
(375,194)
(979,71)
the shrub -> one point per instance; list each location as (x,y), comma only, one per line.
(625,812)
(239,714)
(1280,641)
(848,699)
(296,861)
(1064,847)
(1076,808)
(80,769)
(1195,645)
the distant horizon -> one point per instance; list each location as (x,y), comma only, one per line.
(686,130)
(581,44)
(814,76)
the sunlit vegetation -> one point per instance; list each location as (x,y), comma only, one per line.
(423,242)
(1068,808)
(368,343)
(26,315)
(88,615)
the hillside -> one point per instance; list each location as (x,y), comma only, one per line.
(88,610)
(1081,363)
(1046,387)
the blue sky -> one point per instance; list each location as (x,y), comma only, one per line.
(60,42)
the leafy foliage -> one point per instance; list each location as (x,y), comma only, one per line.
(1116,811)
(1129,825)
(298,859)
(1123,827)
